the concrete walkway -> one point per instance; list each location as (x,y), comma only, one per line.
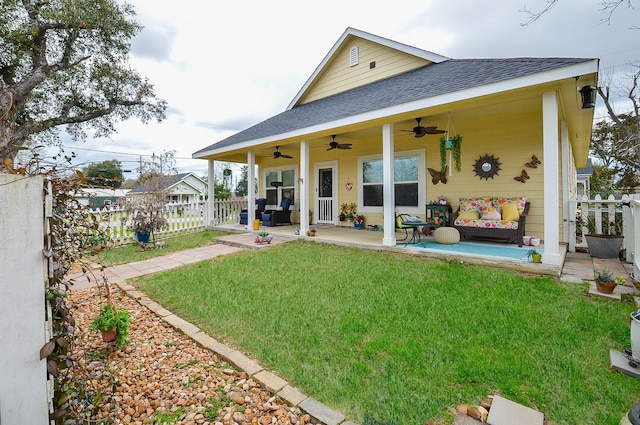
(578,268)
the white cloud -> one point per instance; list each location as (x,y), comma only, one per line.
(223,66)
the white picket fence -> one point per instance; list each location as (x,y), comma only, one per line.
(610,211)
(183,217)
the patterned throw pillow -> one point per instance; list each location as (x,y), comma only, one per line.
(491,214)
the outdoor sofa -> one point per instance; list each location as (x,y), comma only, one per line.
(502,218)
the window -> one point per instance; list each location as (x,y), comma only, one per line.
(408,177)
(275,195)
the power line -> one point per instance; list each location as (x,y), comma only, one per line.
(116,153)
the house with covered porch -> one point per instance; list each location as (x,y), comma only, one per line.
(367,125)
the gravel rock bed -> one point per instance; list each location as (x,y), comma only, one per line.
(162,376)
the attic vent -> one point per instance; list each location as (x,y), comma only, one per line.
(353,56)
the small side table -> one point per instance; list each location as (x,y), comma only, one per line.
(437,216)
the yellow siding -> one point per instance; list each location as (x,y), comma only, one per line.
(338,76)
(511,139)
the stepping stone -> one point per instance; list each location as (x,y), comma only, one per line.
(507,412)
(461,419)
(620,363)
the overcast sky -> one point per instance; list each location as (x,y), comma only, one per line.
(224,66)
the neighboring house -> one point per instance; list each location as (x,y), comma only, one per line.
(184,187)
(101,197)
(368,92)
(584,179)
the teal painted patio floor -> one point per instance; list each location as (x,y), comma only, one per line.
(487,250)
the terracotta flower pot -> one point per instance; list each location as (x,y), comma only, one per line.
(108,336)
(606,287)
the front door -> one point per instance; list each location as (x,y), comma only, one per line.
(326,203)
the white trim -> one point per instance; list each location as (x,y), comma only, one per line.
(251,195)
(566,193)
(422,181)
(353,56)
(551,193)
(296,201)
(414,51)
(335,190)
(388,188)
(303,183)
(590,66)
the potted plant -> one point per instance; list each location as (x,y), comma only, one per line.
(358,221)
(603,242)
(535,255)
(348,211)
(113,324)
(311,232)
(605,282)
(263,237)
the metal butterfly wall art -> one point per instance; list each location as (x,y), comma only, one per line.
(438,176)
(534,162)
(523,177)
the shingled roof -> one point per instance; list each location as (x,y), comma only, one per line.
(432,80)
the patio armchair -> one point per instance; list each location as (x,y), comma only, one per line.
(261,204)
(400,219)
(278,216)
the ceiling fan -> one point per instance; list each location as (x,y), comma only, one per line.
(421,131)
(278,154)
(336,145)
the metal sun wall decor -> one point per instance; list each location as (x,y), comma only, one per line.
(486,166)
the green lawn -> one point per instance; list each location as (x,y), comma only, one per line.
(404,339)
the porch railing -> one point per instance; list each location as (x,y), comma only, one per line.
(183,217)
(608,211)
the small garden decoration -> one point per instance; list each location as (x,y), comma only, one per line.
(535,255)
(263,237)
(348,211)
(358,221)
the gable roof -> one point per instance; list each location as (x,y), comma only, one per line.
(166,183)
(352,33)
(428,82)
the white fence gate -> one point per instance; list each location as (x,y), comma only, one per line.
(24,393)
(605,211)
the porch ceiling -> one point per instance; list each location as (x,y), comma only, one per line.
(523,101)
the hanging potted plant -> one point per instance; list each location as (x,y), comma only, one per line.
(451,145)
(113,324)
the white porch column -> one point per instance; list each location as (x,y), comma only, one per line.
(251,196)
(304,187)
(388,183)
(550,146)
(566,193)
(211,219)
